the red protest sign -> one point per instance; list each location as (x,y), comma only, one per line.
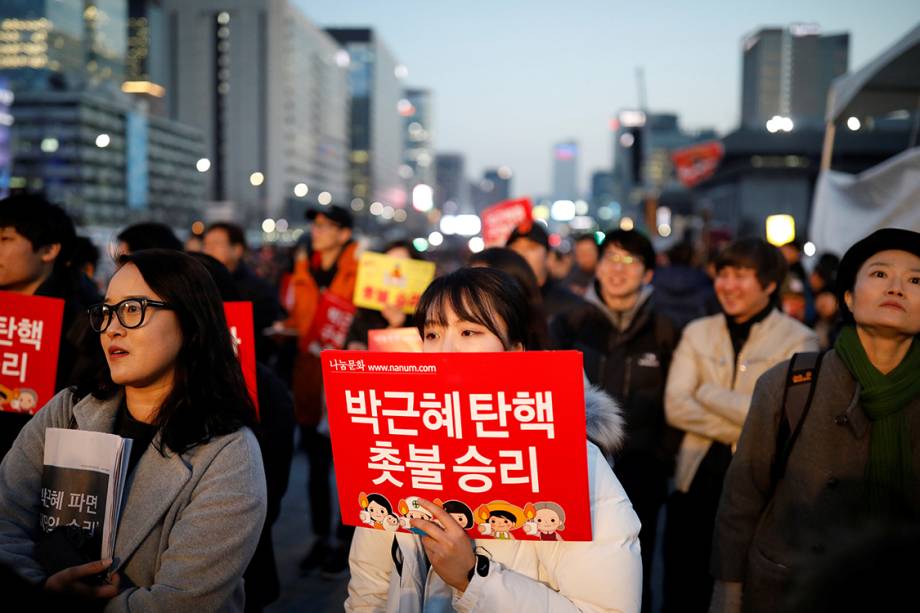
(30,337)
(394,339)
(330,325)
(499,220)
(697,163)
(240,321)
(498,439)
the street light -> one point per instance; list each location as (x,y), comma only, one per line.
(203,165)
(256,179)
(301,190)
(103,140)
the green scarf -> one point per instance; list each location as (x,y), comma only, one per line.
(889,472)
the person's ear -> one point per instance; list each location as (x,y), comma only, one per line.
(237,251)
(49,253)
(848,299)
(647,277)
(517,347)
(344,235)
(770,288)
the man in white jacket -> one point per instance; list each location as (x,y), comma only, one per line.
(708,393)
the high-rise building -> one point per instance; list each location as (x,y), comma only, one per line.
(565,171)
(269,91)
(451,193)
(375,123)
(787,72)
(63,44)
(416,108)
(106,160)
(495,186)
(146,73)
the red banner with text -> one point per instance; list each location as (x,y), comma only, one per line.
(242,329)
(496,439)
(30,337)
(499,220)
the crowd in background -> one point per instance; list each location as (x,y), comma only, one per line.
(679,339)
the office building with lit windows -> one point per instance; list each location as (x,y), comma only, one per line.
(269,91)
(375,86)
(105,160)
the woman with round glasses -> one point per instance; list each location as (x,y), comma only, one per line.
(195,494)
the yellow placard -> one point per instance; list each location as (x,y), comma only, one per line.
(387,281)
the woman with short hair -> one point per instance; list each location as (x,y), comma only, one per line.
(856,457)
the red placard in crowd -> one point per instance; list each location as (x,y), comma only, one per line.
(499,220)
(696,163)
(330,324)
(30,337)
(240,321)
(498,439)
(394,339)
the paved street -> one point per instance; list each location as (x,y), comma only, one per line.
(292,537)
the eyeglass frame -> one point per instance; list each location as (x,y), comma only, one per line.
(615,258)
(114,308)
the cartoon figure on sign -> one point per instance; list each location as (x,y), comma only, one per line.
(498,518)
(20,399)
(546,521)
(376,512)
(410,509)
(460,512)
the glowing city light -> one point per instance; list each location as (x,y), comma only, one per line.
(357,204)
(627,223)
(563,210)
(476,244)
(504,173)
(203,165)
(853,123)
(103,141)
(301,190)
(324,198)
(420,244)
(810,249)
(780,229)
(422,197)
(256,179)
(49,145)
(281,225)
(435,238)
(268,225)
(401,72)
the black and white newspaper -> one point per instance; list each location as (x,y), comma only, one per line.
(82,483)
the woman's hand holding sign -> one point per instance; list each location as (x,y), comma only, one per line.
(447,546)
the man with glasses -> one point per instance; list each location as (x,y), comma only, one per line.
(332,267)
(37,240)
(627,346)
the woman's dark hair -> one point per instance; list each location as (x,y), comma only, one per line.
(764,259)
(381,500)
(486,296)
(460,508)
(505,514)
(149,235)
(513,263)
(209,396)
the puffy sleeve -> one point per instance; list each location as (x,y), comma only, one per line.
(371,565)
(604,574)
(682,408)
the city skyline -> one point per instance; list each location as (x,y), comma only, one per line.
(573,66)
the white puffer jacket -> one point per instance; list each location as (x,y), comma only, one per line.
(602,575)
(708,393)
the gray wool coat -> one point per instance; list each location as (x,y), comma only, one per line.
(189,525)
(819,504)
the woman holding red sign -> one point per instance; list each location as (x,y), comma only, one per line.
(485,310)
(194,501)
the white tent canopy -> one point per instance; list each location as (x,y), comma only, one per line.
(888,83)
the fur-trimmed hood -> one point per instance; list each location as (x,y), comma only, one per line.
(604,420)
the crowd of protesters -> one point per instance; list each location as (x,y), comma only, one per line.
(707,459)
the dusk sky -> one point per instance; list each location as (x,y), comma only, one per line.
(511,77)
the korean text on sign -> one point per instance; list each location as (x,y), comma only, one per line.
(499,433)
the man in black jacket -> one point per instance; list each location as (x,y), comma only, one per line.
(627,347)
(226,243)
(36,244)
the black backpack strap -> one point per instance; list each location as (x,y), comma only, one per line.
(801,381)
